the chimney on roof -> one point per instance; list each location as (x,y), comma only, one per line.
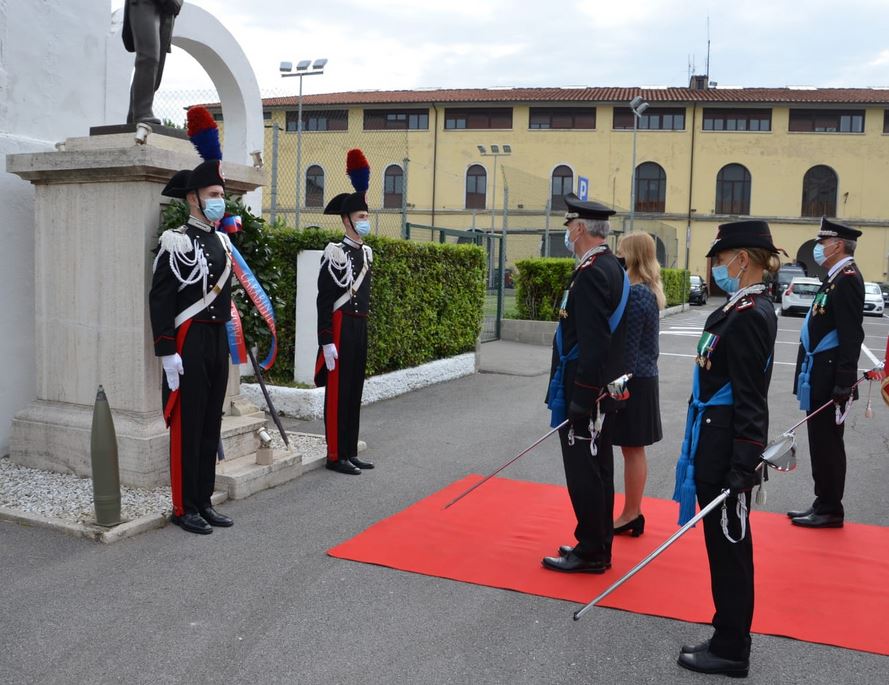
(699,82)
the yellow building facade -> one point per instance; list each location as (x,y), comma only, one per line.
(703,156)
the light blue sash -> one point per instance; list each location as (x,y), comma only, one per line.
(803,386)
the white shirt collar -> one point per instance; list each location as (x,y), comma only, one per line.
(197,223)
(351,241)
(594,250)
(839,265)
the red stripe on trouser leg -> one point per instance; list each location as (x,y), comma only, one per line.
(332,395)
(173,418)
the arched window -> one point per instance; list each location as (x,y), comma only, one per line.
(476,187)
(820,192)
(651,188)
(562,184)
(733,190)
(314,186)
(393,187)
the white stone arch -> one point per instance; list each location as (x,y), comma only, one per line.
(205,38)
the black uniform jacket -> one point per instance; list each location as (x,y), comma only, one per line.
(329,291)
(594,292)
(735,435)
(171,7)
(843,310)
(166,299)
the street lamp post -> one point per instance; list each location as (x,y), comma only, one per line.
(495,152)
(637,106)
(302,69)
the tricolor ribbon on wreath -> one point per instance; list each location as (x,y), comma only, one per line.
(236,343)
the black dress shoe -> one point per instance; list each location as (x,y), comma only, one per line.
(574,564)
(565,550)
(693,649)
(819,521)
(635,527)
(707,662)
(360,464)
(798,514)
(214,518)
(193,523)
(343,466)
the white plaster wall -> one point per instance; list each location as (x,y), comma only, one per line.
(53,82)
(308,266)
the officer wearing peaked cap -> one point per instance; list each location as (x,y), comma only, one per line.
(827,366)
(726,430)
(587,355)
(343,303)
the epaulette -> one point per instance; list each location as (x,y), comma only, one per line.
(336,255)
(368,253)
(175,241)
(745,302)
(588,263)
(849,270)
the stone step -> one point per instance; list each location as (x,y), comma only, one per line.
(239,437)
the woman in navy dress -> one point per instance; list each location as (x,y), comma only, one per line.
(638,424)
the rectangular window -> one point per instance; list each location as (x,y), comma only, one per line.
(737,119)
(827,120)
(320,120)
(267,114)
(653,119)
(466,118)
(886,121)
(401,119)
(562,118)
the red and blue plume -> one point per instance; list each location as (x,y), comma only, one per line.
(358,170)
(204,133)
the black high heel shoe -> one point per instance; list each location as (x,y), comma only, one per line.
(635,527)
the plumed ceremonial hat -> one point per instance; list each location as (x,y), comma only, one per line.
(580,209)
(204,135)
(834,229)
(737,234)
(358,170)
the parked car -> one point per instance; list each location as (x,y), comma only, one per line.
(873,299)
(785,275)
(798,295)
(697,292)
(885,288)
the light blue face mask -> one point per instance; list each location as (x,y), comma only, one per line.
(818,254)
(362,227)
(569,244)
(730,284)
(213,209)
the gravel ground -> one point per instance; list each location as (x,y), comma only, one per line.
(70,498)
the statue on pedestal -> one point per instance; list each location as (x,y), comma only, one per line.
(148,31)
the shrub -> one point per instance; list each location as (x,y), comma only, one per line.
(676,286)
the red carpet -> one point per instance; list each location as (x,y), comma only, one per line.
(823,586)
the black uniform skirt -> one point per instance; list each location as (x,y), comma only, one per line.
(639,422)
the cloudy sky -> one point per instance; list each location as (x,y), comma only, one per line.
(391,44)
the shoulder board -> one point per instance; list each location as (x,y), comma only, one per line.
(175,241)
(849,270)
(746,302)
(335,254)
(588,263)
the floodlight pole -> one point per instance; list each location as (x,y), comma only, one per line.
(299,140)
(637,106)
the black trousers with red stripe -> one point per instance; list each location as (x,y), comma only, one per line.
(345,385)
(196,420)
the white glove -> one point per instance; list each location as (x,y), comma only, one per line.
(173,369)
(330,356)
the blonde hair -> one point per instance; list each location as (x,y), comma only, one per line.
(761,257)
(638,250)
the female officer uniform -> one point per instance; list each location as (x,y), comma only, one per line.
(727,429)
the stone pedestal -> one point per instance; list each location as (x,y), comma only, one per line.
(98,208)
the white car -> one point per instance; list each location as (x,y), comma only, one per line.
(873,299)
(798,297)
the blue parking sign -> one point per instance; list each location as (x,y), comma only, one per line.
(583,186)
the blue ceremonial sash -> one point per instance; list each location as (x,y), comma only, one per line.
(556,402)
(684,490)
(803,386)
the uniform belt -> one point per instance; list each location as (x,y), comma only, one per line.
(355,315)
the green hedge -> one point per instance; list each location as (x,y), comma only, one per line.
(540,283)
(676,286)
(426,299)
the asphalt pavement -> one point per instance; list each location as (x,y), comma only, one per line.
(263,603)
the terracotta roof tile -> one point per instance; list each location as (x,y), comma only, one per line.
(839,96)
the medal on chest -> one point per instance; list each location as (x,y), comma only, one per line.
(706,346)
(563,307)
(820,303)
